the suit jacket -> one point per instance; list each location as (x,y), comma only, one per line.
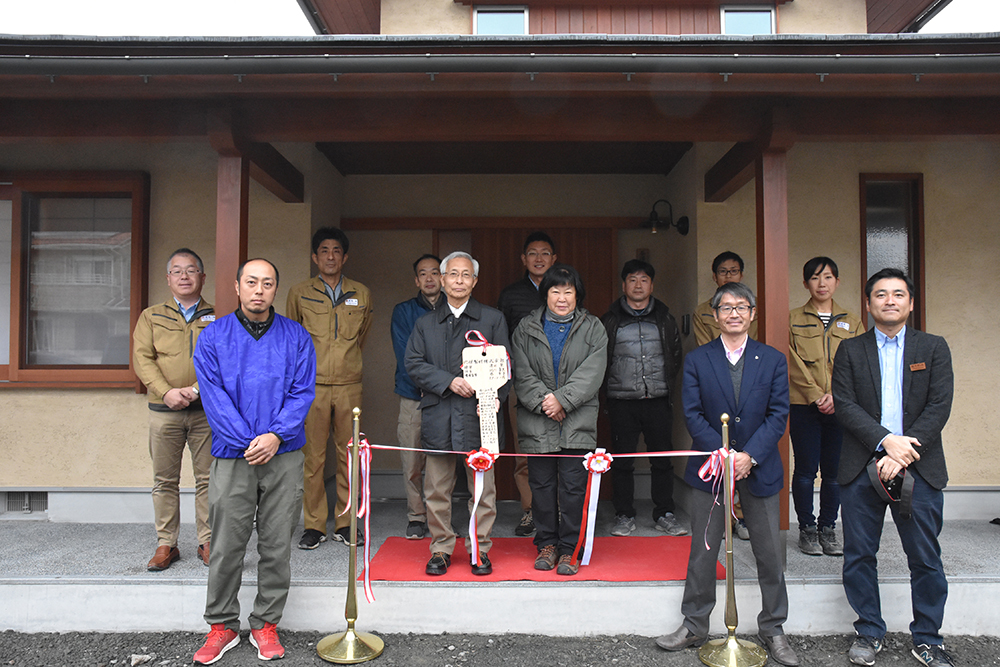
(756,422)
(928,387)
(434,358)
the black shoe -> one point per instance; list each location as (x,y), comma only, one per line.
(485,568)
(438,564)
(344,535)
(932,655)
(415,530)
(311,539)
(526,526)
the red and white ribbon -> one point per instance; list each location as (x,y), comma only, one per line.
(714,470)
(597,463)
(364,506)
(481,461)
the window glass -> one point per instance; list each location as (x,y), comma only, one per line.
(6,208)
(501,22)
(79,280)
(747,22)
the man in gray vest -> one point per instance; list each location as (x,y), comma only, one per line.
(644,355)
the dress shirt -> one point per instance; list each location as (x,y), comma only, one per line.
(188,313)
(890,359)
(734,355)
(457,312)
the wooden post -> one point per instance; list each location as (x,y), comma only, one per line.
(232,216)
(772,271)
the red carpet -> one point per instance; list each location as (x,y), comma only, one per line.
(614,559)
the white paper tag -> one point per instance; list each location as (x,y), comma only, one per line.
(208,318)
(844,325)
(485,368)
(351,302)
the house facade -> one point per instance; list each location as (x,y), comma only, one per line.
(416,132)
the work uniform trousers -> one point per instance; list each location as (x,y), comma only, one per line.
(864,515)
(334,405)
(239,491)
(558,489)
(653,418)
(816,441)
(761,516)
(408,435)
(439,482)
(169,432)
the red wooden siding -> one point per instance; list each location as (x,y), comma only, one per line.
(625,20)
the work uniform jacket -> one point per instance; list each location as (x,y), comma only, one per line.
(163,345)
(338,329)
(581,372)
(434,358)
(812,348)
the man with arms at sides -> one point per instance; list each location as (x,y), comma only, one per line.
(337,313)
(163,352)
(644,356)
(427,270)
(449,410)
(893,388)
(516,301)
(727,267)
(747,380)
(257,372)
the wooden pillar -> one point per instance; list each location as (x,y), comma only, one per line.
(772,271)
(232,216)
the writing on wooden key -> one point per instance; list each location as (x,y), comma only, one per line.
(485,368)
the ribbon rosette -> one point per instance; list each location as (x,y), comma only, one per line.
(364,505)
(713,469)
(597,463)
(481,461)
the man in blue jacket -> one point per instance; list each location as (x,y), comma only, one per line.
(427,270)
(257,375)
(736,375)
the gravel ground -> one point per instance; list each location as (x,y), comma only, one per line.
(175,649)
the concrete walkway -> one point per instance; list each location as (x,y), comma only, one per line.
(92,577)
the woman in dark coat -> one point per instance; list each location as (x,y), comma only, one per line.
(560,356)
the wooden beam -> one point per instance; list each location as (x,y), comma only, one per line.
(771,172)
(737,167)
(279,176)
(231,229)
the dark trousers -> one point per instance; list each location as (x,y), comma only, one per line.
(558,486)
(654,419)
(816,441)
(761,515)
(864,515)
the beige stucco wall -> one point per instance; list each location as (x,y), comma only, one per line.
(98,437)
(425,17)
(823,17)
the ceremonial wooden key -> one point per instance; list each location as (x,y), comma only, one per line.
(485,368)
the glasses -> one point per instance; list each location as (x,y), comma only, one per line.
(190,271)
(725,273)
(742,309)
(545,254)
(464,275)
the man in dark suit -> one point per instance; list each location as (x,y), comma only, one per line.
(892,390)
(747,380)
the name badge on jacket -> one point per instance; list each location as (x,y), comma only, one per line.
(351,302)
(918,367)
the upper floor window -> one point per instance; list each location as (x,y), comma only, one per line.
(77,257)
(495,20)
(748,20)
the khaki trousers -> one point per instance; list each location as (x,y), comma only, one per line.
(239,491)
(408,435)
(439,482)
(168,433)
(333,406)
(520,462)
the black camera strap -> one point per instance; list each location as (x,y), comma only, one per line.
(900,489)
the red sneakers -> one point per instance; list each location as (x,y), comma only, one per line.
(220,639)
(266,642)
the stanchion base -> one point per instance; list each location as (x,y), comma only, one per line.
(350,647)
(732,652)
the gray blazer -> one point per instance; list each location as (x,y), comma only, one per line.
(434,358)
(928,388)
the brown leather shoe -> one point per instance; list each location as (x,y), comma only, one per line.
(162,559)
(203,552)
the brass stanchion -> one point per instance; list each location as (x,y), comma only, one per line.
(350,647)
(730,652)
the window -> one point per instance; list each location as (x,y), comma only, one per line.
(500,21)
(747,21)
(892,230)
(77,253)
(6,208)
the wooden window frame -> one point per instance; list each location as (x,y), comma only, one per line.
(919,315)
(18,185)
